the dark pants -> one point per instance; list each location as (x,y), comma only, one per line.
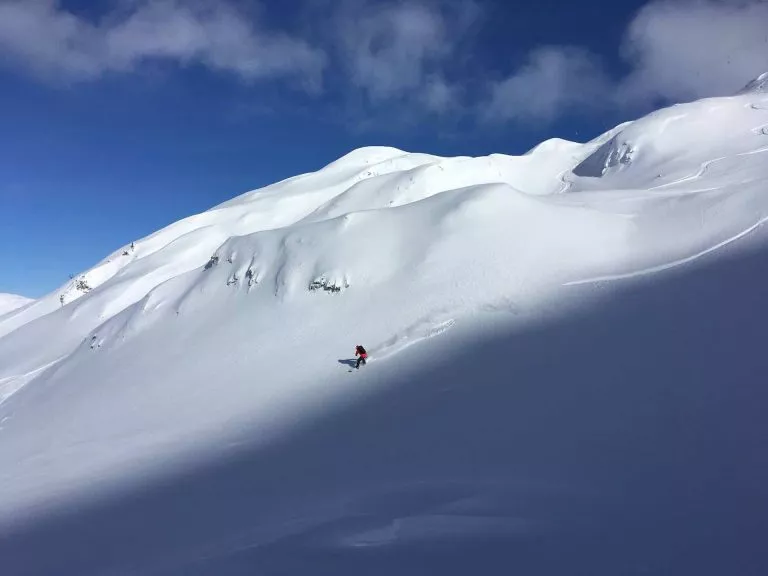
(360,360)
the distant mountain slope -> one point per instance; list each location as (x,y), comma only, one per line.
(9,302)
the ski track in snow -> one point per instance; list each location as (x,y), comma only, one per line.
(701,172)
(761,130)
(664,126)
(428,328)
(705,167)
(670,265)
(10,385)
(335,525)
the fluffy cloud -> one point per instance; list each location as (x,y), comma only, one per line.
(677,50)
(691,49)
(390,50)
(44,37)
(440,96)
(553,79)
(401,52)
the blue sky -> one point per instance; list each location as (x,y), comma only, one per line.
(120,117)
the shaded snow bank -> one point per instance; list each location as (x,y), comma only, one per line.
(626,438)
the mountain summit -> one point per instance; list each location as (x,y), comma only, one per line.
(757,86)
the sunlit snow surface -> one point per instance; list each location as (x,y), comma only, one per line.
(567,371)
(11,302)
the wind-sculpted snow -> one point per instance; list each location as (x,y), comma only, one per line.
(362,183)
(665,145)
(544,334)
(10,302)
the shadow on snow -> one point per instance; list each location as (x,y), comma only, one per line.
(626,439)
(351,362)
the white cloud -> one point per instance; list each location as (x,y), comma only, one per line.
(405,52)
(695,48)
(678,50)
(44,37)
(439,96)
(554,79)
(390,47)
(395,50)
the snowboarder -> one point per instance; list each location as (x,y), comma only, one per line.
(361,354)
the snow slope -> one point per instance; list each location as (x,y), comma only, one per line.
(10,302)
(566,370)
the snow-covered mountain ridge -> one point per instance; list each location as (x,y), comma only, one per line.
(242,318)
(274,229)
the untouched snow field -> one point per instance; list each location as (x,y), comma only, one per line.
(10,302)
(568,371)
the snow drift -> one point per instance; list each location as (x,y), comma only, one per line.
(551,336)
(11,302)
